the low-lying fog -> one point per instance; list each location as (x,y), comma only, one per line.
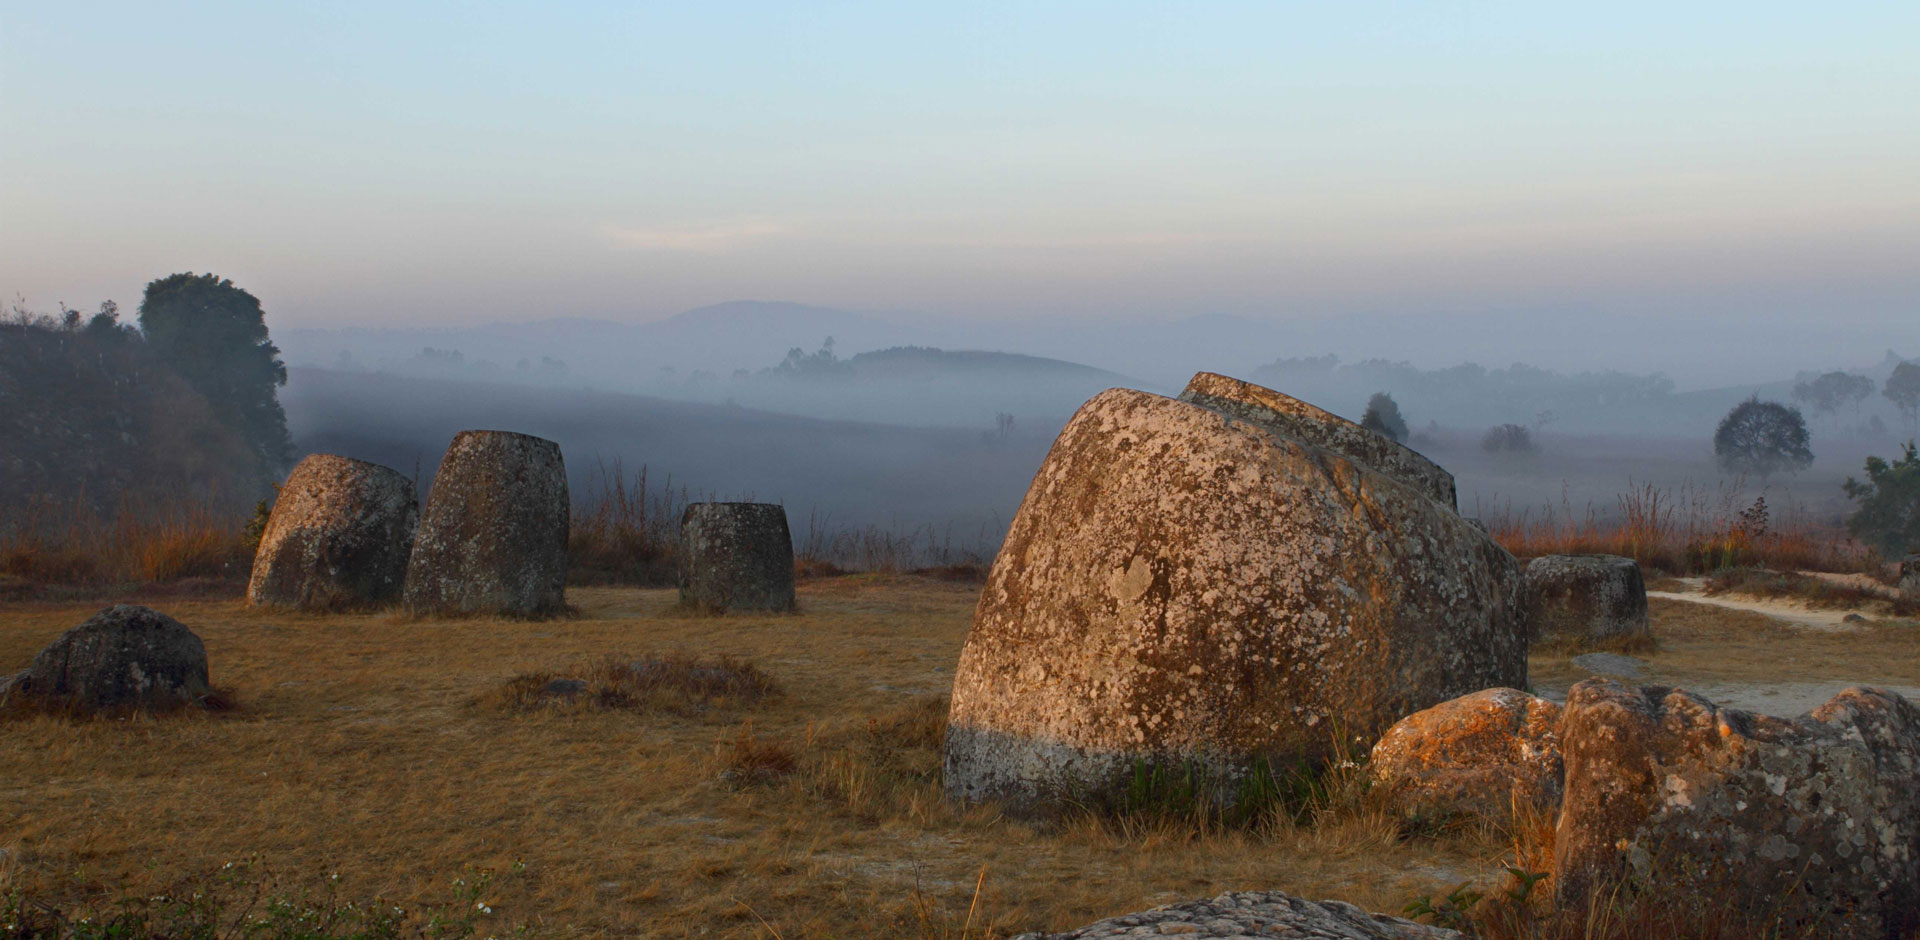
(883,430)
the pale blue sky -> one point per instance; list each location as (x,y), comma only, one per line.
(360,163)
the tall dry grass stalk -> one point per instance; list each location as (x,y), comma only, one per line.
(872,548)
(624,531)
(71,546)
(1688,531)
(627,531)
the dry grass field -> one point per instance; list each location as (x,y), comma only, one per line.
(390,752)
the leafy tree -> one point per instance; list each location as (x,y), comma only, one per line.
(1762,437)
(1383,417)
(214,335)
(1903,389)
(1826,393)
(1889,513)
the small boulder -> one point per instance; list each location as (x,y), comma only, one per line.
(1587,598)
(1247,914)
(1480,755)
(736,556)
(125,658)
(338,538)
(493,539)
(1186,588)
(1812,821)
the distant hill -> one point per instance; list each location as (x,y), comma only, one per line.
(925,361)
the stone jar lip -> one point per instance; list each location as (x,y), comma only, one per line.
(1217,390)
(489,432)
(691,506)
(342,458)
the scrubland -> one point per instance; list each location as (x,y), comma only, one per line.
(375,756)
(401,754)
(393,754)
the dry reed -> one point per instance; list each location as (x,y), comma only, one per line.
(1689,531)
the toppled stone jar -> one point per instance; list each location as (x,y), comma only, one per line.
(1190,590)
(339,537)
(1812,822)
(493,539)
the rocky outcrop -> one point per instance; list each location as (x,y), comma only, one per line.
(125,658)
(1813,822)
(493,539)
(736,556)
(1189,588)
(339,537)
(1588,598)
(1248,914)
(1480,755)
(1293,418)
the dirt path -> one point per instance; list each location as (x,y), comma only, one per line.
(1769,661)
(1791,612)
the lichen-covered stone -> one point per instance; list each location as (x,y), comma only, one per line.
(339,537)
(1248,914)
(493,539)
(736,556)
(1291,417)
(1181,587)
(124,657)
(1585,597)
(1480,755)
(1814,821)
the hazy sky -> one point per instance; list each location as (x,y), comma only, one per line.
(365,163)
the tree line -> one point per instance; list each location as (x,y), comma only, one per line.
(183,405)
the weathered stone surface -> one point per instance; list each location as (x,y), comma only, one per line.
(1587,597)
(1478,755)
(125,657)
(1248,914)
(1291,417)
(1814,820)
(493,539)
(339,537)
(736,556)
(1186,588)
